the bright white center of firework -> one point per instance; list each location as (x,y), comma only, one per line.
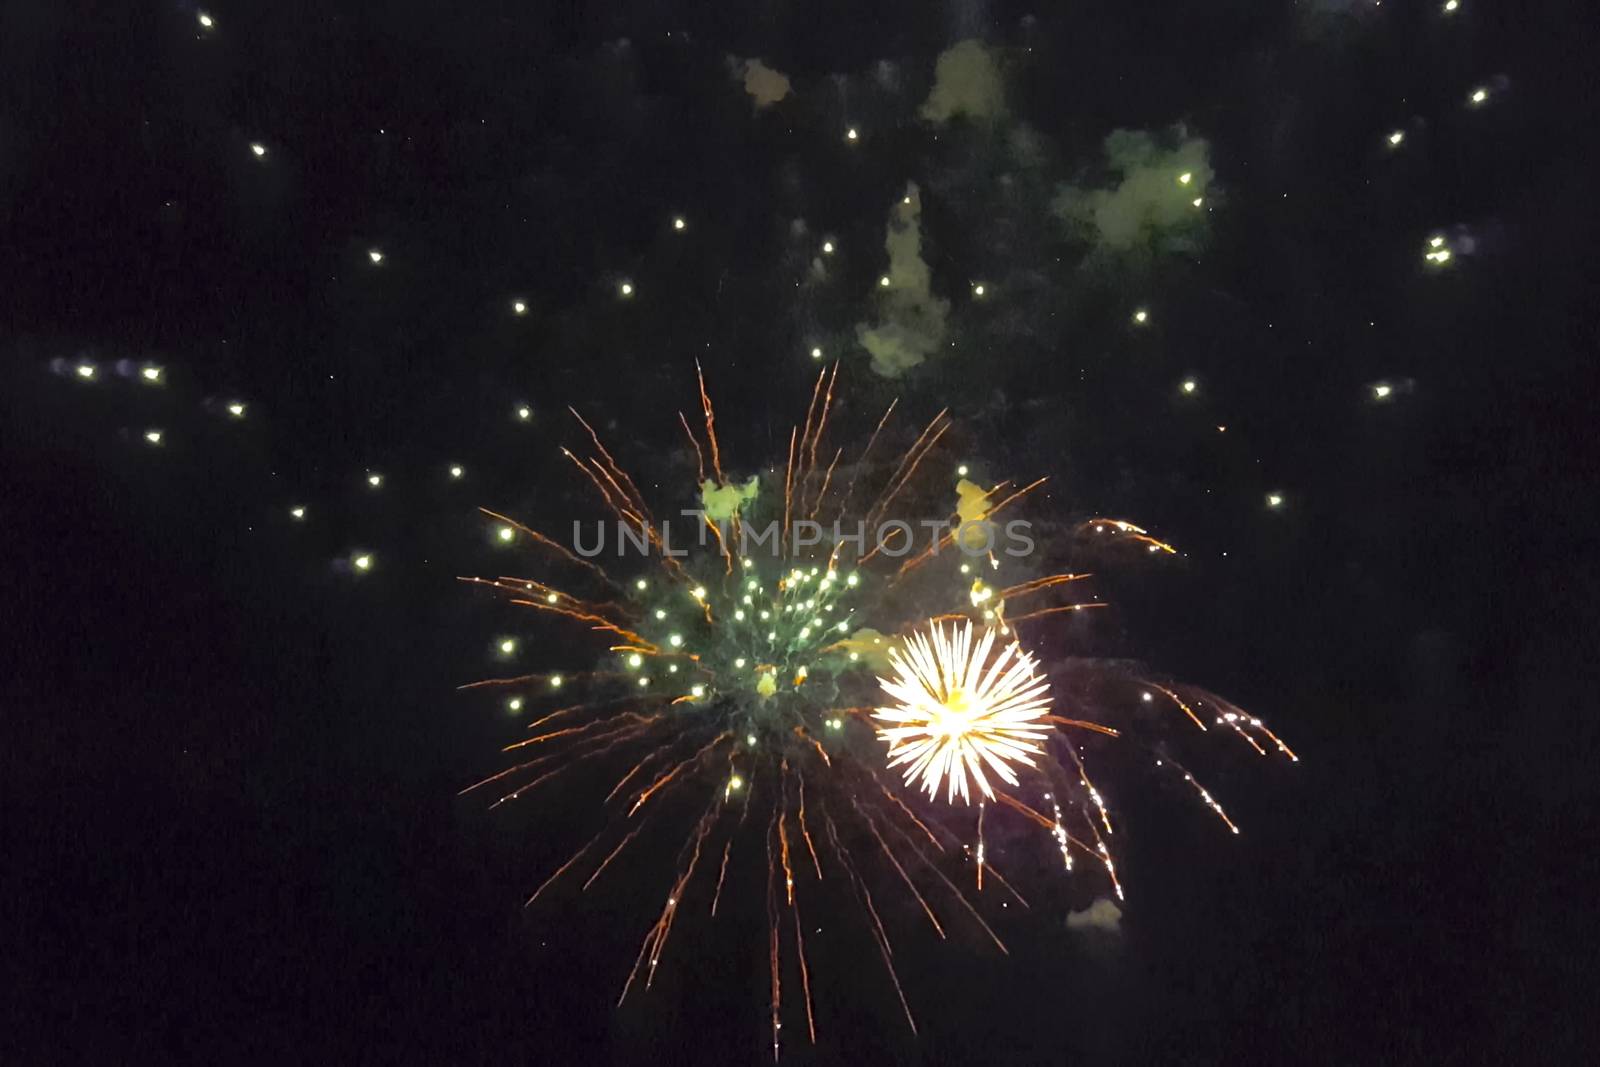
(816,353)
(1190,385)
(678,223)
(236,410)
(697,691)
(524,413)
(363,563)
(206,20)
(675,640)
(375,255)
(506,533)
(374,480)
(851,134)
(635,660)
(1141,316)
(1480,95)
(153,436)
(883,282)
(555,681)
(457,471)
(626,288)
(85,370)
(962,710)
(151,374)
(1382,391)
(827,248)
(977,290)
(508,646)
(519,307)
(1396,137)
(298,513)
(259,150)
(1274,500)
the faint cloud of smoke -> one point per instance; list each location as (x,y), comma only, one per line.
(1157,183)
(911,319)
(765,85)
(1101,915)
(966,81)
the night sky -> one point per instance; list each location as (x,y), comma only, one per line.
(253,255)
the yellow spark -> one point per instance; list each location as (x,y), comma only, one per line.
(375,479)
(678,223)
(1396,137)
(977,290)
(883,282)
(827,248)
(1141,316)
(1185,178)
(457,471)
(1450,6)
(1190,385)
(959,708)
(206,20)
(363,562)
(505,533)
(151,373)
(259,149)
(1479,96)
(852,134)
(153,436)
(519,307)
(236,409)
(375,255)
(524,412)
(626,288)
(297,512)
(1382,391)
(1274,500)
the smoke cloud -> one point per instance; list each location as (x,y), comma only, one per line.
(966,81)
(1102,915)
(765,85)
(1154,194)
(911,320)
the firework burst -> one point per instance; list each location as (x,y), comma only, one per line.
(740,682)
(957,710)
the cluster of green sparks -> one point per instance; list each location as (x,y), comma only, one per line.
(790,682)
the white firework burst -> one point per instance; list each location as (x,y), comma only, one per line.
(957,710)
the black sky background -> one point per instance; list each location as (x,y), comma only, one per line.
(230,826)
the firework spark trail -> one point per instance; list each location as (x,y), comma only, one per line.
(515,769)
(655,940)
(904,877)
(805,833)
(611,741)
(772,941)
(1100,850)
(1176,699)
(699,457)
(788,490)
(555,546)
(562,869)
(1057,720)
(711,424)
(783,833)
(861,460)
(885,949)
(805,974)
(611,856)
(827,480)
(1038,584)
(955,891)
(716,897)
(1058,609)
(980,846)
(670,775)
(875,516)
